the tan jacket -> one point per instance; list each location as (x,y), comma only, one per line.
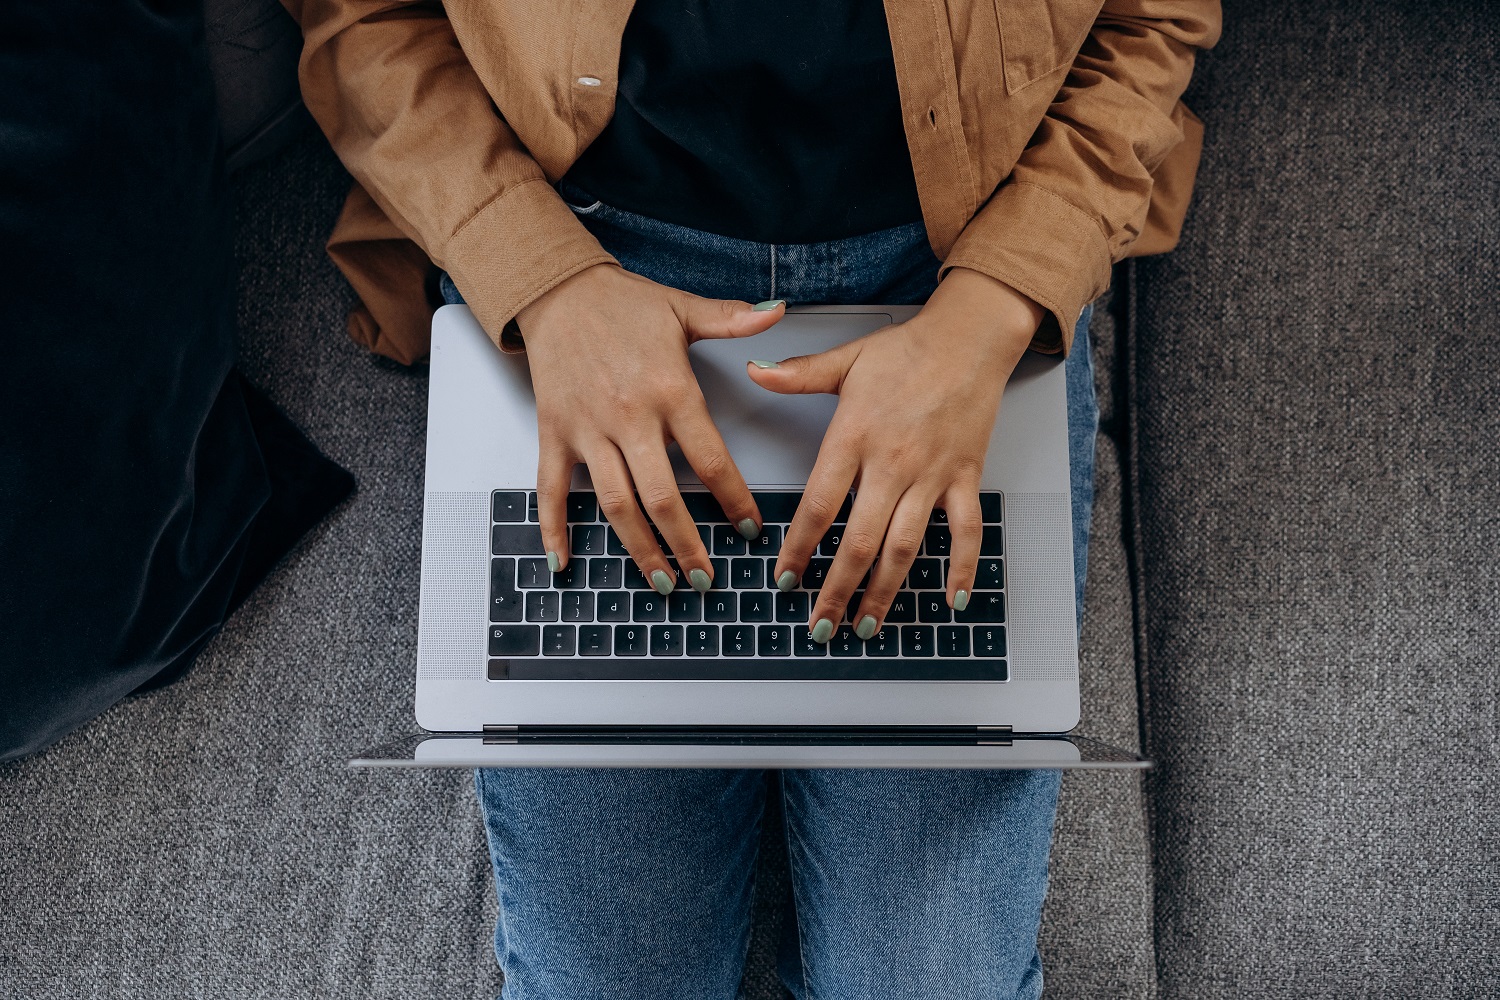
(1047,139)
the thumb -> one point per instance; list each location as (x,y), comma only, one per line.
(716,319)
(809,373)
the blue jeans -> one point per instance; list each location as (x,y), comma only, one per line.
(625,884)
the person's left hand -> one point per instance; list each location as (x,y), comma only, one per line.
(917,403)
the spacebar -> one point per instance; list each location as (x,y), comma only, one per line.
(789,669)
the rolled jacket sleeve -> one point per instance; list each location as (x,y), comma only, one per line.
(412,122)
(1080,194)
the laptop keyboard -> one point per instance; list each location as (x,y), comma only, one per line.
(600,618)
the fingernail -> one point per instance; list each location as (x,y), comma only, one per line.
(867,627)
(960,600)
(766,306)
(662,582)
(786,581)
(823,631)
(747,528)
(699,580)
(553,562)
(765,364)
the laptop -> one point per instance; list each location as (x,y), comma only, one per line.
(591,667)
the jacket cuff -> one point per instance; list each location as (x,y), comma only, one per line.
(1043,246)
(512,251)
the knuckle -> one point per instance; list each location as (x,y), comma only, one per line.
(614,502)
(968,468)
(861,547)
(658,500)
(818,507)
(903,545)
(713,466)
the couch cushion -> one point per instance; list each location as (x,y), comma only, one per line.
(1319,441)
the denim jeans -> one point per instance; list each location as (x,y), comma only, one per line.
(636,884)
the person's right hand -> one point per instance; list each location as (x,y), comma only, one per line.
(609,362)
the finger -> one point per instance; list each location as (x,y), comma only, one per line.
(827,489)
(903,540)
(704,448)
(806,374)
(661,498)
(966,526)
(615,491)
(554,475)
(862,540)
(715,319)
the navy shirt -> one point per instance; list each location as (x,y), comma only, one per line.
(778,123)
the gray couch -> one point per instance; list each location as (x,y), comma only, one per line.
(1292,602)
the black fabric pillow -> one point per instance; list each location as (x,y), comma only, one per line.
(144,489)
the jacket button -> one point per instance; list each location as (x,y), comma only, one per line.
(589,81)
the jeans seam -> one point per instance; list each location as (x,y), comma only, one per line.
(773,272)
(786,831)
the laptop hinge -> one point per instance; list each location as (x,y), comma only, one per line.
(993,736)
(500,734)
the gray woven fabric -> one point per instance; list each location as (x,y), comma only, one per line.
(1319,439)
(207,841)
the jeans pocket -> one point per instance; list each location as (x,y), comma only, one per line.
(579,200)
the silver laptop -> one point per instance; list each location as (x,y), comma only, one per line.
(591,667)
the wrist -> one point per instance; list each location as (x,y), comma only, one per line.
(985,309)
(533,315)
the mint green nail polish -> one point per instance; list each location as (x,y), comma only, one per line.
(960,600)
(786,581)
(765,364)
(699,580)
(553,562)
(767,305)
(747,528)
(662,582)
(823,631)
(867,627)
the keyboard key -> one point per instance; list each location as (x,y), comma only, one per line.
(842,517)
(666,640)
(572,576)
(932,606)
(685,606)
(991,574)
(816,573)
(989,507)
(938,516)
(984,607)
(648,606)
(634,579)
(720,607)
(777,508)
(792,607)
(767,543)
(543,606)
(516,540)
(747,574)
(739,640)
(757,606)
(531,508)
(532,572)
(578,606)
(508,506)
(989,640)
(614,606)
(903,608)
(916,640)
(829,546)
(706,535)
(505,600)
(883,643)
(612,544)
(720,569)
(953,640)
(803,645)
(606,574)
(703,640)
(515,640)
(594,640)
(559,640)
(631,640)
(702,507)
(582,507)
(938,541)
(845,642)
(992,543)
(774,640)
(926,574)
(588,539)
(728,541)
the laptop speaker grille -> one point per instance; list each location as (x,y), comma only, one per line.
(455,586)
(1043,626)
